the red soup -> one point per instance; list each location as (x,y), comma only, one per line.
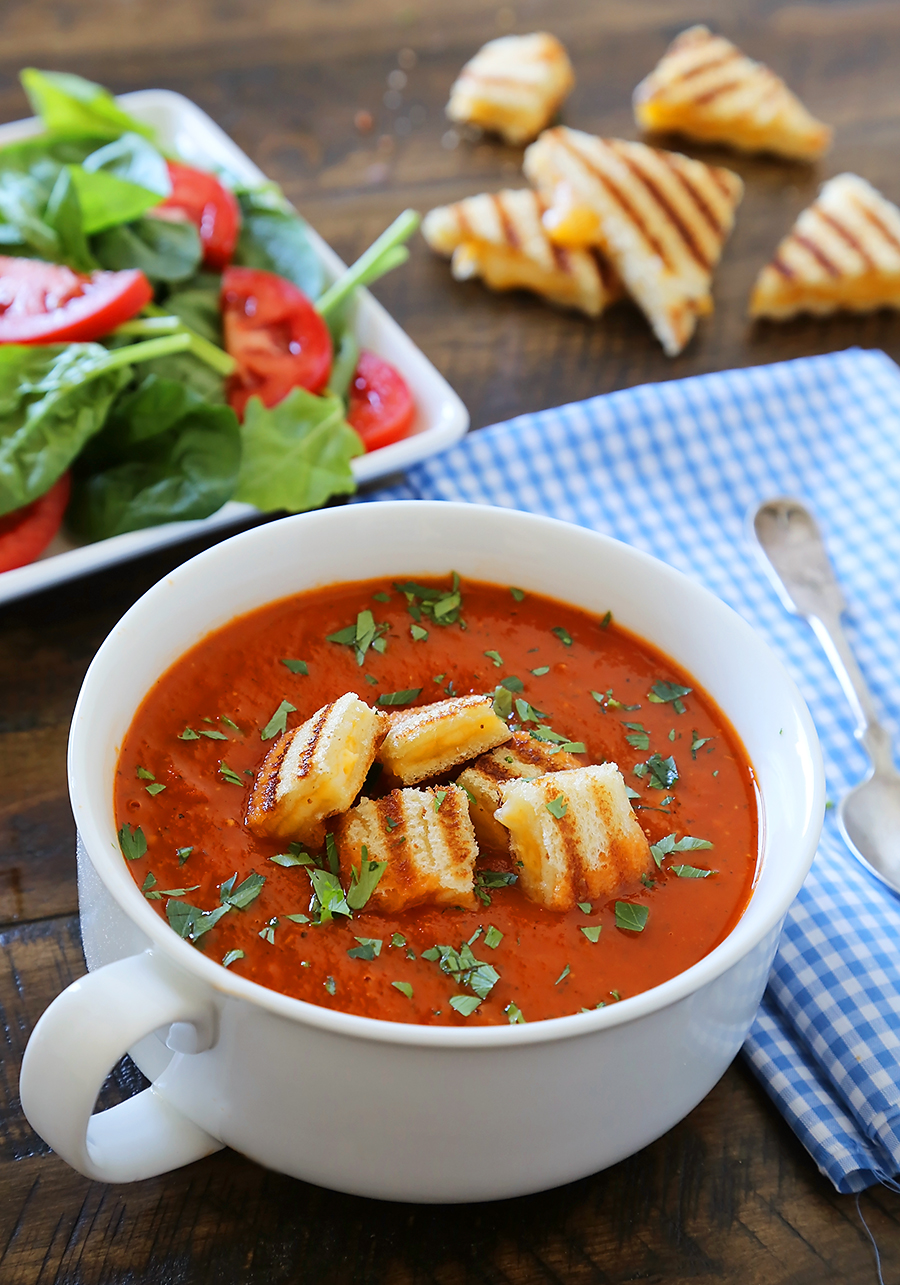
(188,764)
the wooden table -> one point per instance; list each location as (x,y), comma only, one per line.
(728,1195)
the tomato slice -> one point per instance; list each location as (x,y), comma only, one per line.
(203,200)
(381,408)
(45,303)
(276,336)
(26,532)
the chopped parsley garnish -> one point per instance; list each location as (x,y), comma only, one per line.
(631,916)
(563,635)
(405,697)
(469,795)
(232,957)
(617,996)
(691,872)
(464,968)
(189,735)
(361,636)
(607,701)
(439,678)
(512,683)
(156,788)
(368,948)
(334,857)
(132,842)
(439,796)
(295,666)
(267,932)
(381,596)
(239,898)
(485,879)
(672,734)
(662,773)
(441,606)
(213,735)
(182,854)
(405,988)
(229,774)
(397,939)
(330,985)
(299,919)
(514,1013)
(294,856)
(527,713)
(638,737)
(557,807)
(668,843)
(647,881)
(371,680)
(503,702)
(229,722)
(493,937)
(418,633)
(278,722)
(592,932)
(144,774)
(606,621)
(465,1005)
(149,882)
(518,594)
(495,658)
(662,693)
(540,671)
(555,741)
(190,922)
(697,743)
(563,975)
(585,907)
(364,881)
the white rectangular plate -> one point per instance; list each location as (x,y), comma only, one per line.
(441,418)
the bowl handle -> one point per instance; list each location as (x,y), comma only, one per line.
(77,1042)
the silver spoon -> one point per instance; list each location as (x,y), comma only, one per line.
(869,814)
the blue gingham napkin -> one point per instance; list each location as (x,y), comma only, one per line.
(674,469)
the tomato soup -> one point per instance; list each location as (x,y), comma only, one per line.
(190,757)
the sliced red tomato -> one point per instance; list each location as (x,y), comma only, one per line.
(26,532)
(276,336)
(381,406)
(45,303)
(204,201)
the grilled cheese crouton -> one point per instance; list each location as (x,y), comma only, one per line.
(659,217)
(706,88)
(843,252)
(574,834)
(427,840)
(513,86)
(522,757)
(500,238)
(315,771)
(433,738)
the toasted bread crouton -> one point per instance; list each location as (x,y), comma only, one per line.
(500,238)
(843,252)
(522,757)
(660,218)
(427,840)
(315,771)
(575,835)
(513,86)
(433,738)
(706,88)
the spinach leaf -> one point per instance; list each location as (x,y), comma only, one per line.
(130,158)
(165,455)
(196,302)
(23,200)
(185,368)
(63,214)
(297,454)
(273,237)
(71,106)
(165,251)
(52,400)
(105,201)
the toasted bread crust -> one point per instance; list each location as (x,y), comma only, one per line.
(433,738)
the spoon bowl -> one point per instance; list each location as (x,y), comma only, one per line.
(869,819)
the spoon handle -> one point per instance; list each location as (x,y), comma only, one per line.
(801,571)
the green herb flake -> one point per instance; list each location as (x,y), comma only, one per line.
(441,606)
(617,996)
(364,881)
(213,735)
(540,671)
(182,854)
(267,932)
(189,735)
(662,772)
(132,842)
(190,922)
(606,621)
(397,939)
(495,658)
(149,882)
(638,737)
(439,796)
(439,678)
(514,1013)
(330,985)
(368,948)
(672,734)
(557,807)
(592,932)
(361,636)
(697,743)
(299,919)
(563,975)
(647,881)
(156,788)
(585,907)
(144,774)
(240,897)
(405,988)
(493,937)
(278,722)
(295,666)
(465,1005)
(405,697)
(518,594)
(691,872)
(668,843)
(229,774)
(631,916)
(223,718)
(464,968)
(293,857)
(485,879)
(563,635)
(419,635)
(231,958)
(662,693)
(503,703)
(382,596)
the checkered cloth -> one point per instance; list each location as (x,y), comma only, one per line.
(674,469)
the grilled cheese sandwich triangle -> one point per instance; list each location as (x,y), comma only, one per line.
(513,86)
(659,217)
(706,88)
(843,252)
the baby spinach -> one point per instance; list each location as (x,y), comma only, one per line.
(71,106)
(273,237)
(165,251)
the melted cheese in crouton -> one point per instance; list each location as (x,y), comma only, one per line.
(433,738)
(315,771)
(427,840)
(574,834)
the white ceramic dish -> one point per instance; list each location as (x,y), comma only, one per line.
(383,1109)
(441,421)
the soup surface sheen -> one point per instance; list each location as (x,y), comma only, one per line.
(226,689)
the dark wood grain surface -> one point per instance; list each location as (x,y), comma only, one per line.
(728,1195)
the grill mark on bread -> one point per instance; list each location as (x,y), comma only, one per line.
(846,236)
(817,253)
(782,268)
(690,241)
(618,196)
(508,227)
(267,802)
(717,174)
(693,192)
(304,763)
(701,100)
(710,65)
(877,223)
(452,833)
(604,267)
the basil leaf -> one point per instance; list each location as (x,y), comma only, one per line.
(364,881)
(631,916)
(503,702)
(329,895)
(465,1005)
(540,671)
(691,872)
(190,922)
(274,237)
(592,932)
(404,988)
(662,772)
(512,684)
(442,606)
(212,734)
(330,985)
(239,898)
(662,692)
(518,594)
(156,788)
(697,743)
(638,736)
(606,621)
(493,937)
(368,948)
(399,698)
(163,250)
(278,722)
(229,774)
(563,635)
(293,857)
(439,796)
(495,658)
(182,854)
(494,878)
(232,957)
(189,735)
(71,106)
(132,842)
(296,666)
(557,807)
(563,975)
(514,1013)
